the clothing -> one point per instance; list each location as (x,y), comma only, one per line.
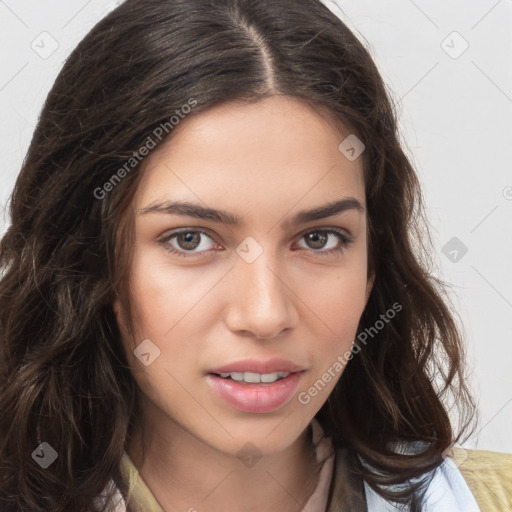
(488,475)
(462,477)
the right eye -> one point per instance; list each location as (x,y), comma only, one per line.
(184,242)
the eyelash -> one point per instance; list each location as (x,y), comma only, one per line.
(344,239)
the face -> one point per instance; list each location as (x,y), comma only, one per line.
(263,287)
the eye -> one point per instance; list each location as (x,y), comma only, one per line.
(318,238)
(187,240)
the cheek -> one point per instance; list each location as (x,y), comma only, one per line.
(169,307)
(338,303)
(336,299)
(162,295)
(343,301)
(337,296)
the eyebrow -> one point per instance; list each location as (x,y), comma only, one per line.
(187,209)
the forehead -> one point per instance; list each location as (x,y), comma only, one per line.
(272,154)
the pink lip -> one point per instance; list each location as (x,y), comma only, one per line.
(256,366)
(260,398)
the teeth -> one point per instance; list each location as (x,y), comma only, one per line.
(251,377)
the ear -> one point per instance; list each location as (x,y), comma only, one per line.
(118,312)
(369,286)
(116,307)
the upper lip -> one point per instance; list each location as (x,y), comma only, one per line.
(259,366)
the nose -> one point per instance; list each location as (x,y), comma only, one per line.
(261,303)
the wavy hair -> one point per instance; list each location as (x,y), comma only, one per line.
(66,255)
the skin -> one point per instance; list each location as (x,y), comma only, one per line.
(263,162)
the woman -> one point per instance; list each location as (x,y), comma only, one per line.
(215,295)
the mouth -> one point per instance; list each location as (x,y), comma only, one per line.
(253,377)
(257,366)
(254,392)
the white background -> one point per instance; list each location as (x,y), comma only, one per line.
(455,112)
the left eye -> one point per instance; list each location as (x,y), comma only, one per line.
(190,239)
(321,236)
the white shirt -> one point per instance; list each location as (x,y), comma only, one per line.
(447,492)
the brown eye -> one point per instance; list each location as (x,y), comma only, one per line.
(319,238)
(316,239)
(186,241)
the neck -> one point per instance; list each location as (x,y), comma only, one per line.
(185,473)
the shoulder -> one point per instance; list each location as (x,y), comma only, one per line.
(446,492)
(489,476)
(466,481)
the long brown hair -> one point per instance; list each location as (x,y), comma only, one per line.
(64,376)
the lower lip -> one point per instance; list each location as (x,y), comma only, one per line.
(263,397)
